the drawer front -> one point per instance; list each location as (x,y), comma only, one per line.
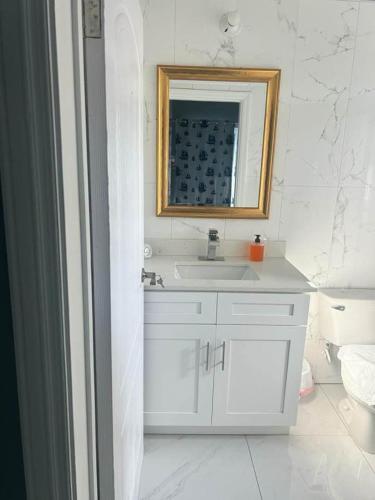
(262,309)
(180,307)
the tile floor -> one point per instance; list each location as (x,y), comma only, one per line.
(317,461)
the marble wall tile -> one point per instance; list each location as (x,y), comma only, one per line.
(320,91)
(363,79)
(308,239)
(358,159)
(352,261)
(324,51)
(199,40)
(183,228)
(281,146)
(244,229)
(155,227)
(359,147)
(315,139)
(268,38)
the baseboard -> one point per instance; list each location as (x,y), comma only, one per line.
(158,429)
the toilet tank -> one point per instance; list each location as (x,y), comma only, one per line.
(347,316)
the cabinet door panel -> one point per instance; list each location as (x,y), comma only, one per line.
(178,374)
(259,381)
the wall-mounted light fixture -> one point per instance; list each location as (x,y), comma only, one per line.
(230,23)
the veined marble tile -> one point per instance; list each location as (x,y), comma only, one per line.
(199,40)
(315,139)
(324,51)
(352,261)
(313,317)
(363,80)
(311,468)
(197,467)
(267,37)
(358,158)
(244,229)
(306,224)
(281,146)
(323,65)
(358,164)
(150,97)
(185,228)
(155,227)
(316,417)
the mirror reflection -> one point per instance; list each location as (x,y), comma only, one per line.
(215,138)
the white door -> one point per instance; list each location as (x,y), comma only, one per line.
(178,374)
(257,375)
(124,98)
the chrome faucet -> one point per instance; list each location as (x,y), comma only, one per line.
(213,244)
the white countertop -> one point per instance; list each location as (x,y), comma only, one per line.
(275,275)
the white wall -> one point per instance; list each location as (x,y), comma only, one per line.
(323,199)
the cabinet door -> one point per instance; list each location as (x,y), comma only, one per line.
(257,374)
(178,374)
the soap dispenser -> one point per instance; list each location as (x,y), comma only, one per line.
(256,250)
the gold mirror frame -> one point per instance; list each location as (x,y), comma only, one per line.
(165,73)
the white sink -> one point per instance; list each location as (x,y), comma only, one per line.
(214,271)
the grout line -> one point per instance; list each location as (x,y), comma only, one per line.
(253,465)
(346,426)
(334,407)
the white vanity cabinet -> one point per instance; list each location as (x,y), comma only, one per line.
(217,362)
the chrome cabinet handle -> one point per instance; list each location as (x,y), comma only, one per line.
(223,356)
(207,356)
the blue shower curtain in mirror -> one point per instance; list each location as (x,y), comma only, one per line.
(202,162)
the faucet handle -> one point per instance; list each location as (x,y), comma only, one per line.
(213,234)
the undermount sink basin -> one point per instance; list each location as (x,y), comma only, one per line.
(215,271)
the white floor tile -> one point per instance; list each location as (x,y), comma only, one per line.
(199,468)
(311,468)
(335,393)
(370,457)
(316,416)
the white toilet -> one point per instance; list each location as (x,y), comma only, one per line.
(347,320)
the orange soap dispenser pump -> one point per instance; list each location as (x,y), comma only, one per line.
(256,251)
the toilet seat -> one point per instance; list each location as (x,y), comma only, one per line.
(358,372)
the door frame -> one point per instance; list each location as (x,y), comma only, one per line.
(45,192)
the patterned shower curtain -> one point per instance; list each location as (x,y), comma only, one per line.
(201,162)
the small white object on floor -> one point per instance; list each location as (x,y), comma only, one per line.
(307,382)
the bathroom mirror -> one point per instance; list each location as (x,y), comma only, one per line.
(216,133)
